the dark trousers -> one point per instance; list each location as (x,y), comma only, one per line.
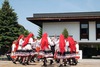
(53,49)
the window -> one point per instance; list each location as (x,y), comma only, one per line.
(84,30)
(98,30)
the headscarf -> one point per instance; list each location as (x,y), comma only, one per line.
(17,43)
(44,41)
(71,44)
(26,40)
(62,43)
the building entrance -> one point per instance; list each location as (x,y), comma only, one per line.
(89,49)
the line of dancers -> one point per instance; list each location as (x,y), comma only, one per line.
(61,50)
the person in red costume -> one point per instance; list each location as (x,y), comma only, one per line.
(13,56)
(45,47)
(28,40)
(44,42)
(60,48)
(62,43)
(18,41)
(18,48)
(27,49)
(71,44)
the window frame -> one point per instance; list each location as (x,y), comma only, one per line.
(97,34)
(86,34)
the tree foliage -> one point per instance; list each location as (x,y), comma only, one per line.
(9,27)
(65,33)
(40,32)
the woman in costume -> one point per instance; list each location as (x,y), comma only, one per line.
(27,49)
(18,48)
(72,47)
(45,47)
(60,49)
(13,56)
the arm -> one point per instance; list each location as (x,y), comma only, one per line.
(50,42)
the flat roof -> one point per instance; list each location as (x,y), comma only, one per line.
(39,18)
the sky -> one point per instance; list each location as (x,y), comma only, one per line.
(26,8)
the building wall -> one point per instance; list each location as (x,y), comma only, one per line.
(73,30)
(57,28)
(92,31)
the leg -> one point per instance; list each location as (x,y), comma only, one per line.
(28,59)
(74,61)
(65,62)
(51,61)
(61,63)
(23,60)
(44,62)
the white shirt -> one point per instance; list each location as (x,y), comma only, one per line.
(21,41)
(67,44)
(77,47)
(50,42)
(13,47)
(37,43)
(57,46)
(29,45)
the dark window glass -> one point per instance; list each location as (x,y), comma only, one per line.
(97,30)
(84,30)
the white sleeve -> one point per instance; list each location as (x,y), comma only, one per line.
(31,41)
(67,43)
(57,45)
(57,42)
(77,48)
(13,47)
(38,43)
(33,44)
(50,42)
(21,42)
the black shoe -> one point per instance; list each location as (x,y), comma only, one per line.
(64,64)
(51,61)
(23,63)
(60,65)
(44,64)
(27,63)
(57,60)
(14,62)
(20,62)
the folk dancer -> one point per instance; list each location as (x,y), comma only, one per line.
(72,51)
(27,48)
(13,50)
(18,47)
(45,47)
(60,49)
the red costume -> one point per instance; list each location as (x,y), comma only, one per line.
(71,44)
(17,44)
(26,40)
(44,41)
(62,43)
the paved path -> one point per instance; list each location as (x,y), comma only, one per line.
(82,63)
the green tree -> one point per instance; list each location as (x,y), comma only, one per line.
(40,32)
(9,27)
(65,33)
